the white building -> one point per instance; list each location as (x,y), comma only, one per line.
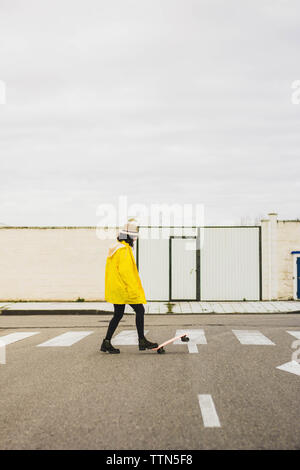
(196,263)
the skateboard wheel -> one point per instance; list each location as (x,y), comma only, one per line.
(185,339)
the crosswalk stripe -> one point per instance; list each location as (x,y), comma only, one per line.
(296,334)
(14,337)
(252,337)
(130,337)
(293,367)
(126,337)
(66,339)
(208,411)
(196,337)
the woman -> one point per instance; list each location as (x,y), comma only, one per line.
(123,286)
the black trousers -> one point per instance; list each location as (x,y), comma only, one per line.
(118,314)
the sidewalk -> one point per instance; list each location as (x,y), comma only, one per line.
(154,308)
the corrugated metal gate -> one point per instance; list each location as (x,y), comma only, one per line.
(211,263)
(230,263)
(153,264)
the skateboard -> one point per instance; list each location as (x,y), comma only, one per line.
(160,349)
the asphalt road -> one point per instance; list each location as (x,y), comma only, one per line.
(75,397)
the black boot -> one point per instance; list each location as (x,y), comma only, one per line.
(106,346)
(145,344)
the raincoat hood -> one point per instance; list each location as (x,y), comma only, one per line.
(114,247)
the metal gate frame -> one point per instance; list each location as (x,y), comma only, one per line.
(197,254)
(198,257)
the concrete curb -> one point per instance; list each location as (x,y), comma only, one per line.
(54,312)
(105,312)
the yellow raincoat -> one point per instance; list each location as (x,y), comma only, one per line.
(122,281)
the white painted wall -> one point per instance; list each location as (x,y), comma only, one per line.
(52,264)
(279,239)
(266,266)
(288,241)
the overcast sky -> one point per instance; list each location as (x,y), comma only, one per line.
(185,101)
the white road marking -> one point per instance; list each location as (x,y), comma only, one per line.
(66,339)
(13,337)
(208,410)
(296,334)
(2,352)
(293,367)
(252,337)
(196,337)
(126,337)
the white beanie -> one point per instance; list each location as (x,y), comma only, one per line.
(130,228)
